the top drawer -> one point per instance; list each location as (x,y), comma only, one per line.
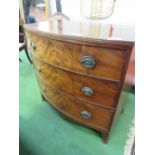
(99,62)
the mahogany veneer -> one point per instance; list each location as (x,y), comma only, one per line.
(80,74)
(73,83)
(100,117)
(67,55)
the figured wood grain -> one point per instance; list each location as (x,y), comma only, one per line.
(62,76)
(109,62)
(100,117)
(104,92)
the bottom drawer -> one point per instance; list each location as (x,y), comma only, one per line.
(88,114)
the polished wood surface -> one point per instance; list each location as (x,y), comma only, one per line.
(67,84)
(130,75)
(73,108)
(83,30)
(109,62)
(104,92)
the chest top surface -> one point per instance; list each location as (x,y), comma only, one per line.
(83,30)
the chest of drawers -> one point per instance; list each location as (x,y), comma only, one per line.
(79,73)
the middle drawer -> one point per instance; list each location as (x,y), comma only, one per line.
(82,87)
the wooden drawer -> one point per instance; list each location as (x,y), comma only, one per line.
(80,111)
(85,88)
(100,62)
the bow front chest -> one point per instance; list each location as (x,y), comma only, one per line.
(81,68)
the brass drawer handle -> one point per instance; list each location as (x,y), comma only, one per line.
(85,114)
(32,46)
(88,61)
(38,68)
(87,91)
(43,88)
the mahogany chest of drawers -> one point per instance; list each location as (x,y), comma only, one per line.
(81,69)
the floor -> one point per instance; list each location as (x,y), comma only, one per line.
(44,132)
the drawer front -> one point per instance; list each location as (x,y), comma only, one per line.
(85,88)
(95,61)
(86,113)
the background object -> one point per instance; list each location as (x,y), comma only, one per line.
(97,8)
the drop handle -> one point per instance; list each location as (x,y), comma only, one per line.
(43,89)
(88,61)
(87,91)
(32,45)
(38,68)
(85,114)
